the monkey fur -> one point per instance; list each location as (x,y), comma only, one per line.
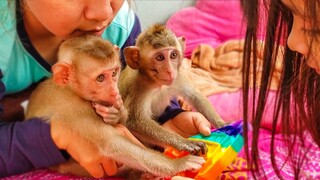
(152,78)
(87,71)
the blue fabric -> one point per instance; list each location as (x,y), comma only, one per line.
(26,145)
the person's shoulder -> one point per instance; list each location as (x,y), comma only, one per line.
(121,26)
(7,16)
(8,33)
(125,17)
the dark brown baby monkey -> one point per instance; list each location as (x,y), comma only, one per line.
(87,71)
(152,78)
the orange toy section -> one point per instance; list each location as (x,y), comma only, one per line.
(223,146)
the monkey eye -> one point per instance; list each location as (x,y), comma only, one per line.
(173,55)
(160,57)
(100,78)
(114,73)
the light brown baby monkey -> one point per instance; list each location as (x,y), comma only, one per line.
(87,71)
(151,80)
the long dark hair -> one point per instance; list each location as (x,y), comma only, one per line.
(297,101)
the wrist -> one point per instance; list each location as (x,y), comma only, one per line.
(56,131)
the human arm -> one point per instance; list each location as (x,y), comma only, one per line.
(26,145)
(89,156)
(188,123)
(33,144)
(185,123)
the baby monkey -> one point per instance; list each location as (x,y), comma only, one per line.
(87,71)
(151,80)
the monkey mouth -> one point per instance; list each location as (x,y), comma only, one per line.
(105,103)
(167,81)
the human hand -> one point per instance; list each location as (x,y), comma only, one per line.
(89,155)
(184,104)
(189,123)
(112,114)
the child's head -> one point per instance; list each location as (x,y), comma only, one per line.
(296,22)
(305,33)
(299,17)
(68,18)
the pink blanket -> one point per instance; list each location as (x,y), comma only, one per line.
(209,22)
(228,105)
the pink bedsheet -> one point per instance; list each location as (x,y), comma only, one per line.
(310,168)
(228,105)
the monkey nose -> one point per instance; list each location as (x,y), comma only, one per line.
(113,91)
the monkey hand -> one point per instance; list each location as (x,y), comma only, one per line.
(114,114)
(218,123)
(188,124)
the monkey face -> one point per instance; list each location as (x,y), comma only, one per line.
(162,65)
(98,83)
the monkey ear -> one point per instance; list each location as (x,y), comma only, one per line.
(182,41)
(61,72)
(131,54)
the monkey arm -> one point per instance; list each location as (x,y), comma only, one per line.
(149,131)
(199,101)
(188,124)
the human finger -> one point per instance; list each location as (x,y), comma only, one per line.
(184,105)
(107,112)
(110,166)
(96,170)
(202,124)
(110,121)
(105,109)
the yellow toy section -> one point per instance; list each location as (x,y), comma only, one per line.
(223,146)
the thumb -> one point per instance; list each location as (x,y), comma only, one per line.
(203,125)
